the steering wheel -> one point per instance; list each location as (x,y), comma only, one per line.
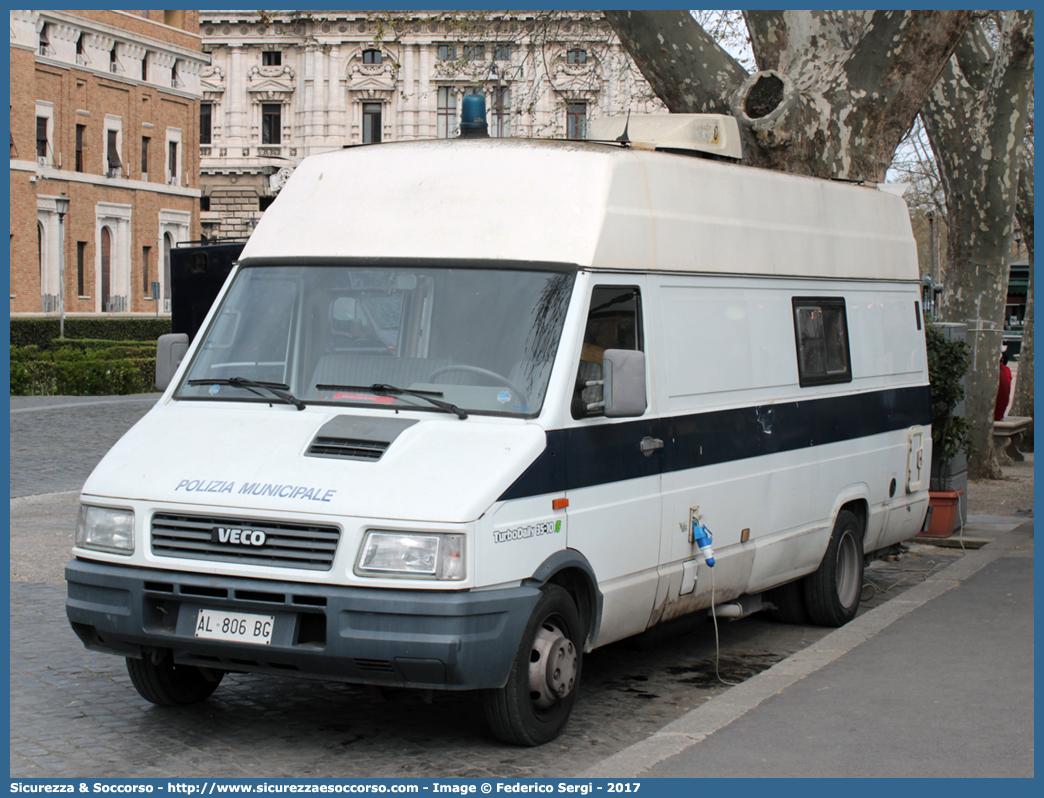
(523,400)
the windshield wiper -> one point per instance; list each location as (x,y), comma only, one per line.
(382,388)
(274,388)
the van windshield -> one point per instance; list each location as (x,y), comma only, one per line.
(482,340)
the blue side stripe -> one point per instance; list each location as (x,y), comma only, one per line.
(598,454)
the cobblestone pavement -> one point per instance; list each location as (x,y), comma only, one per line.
(74,713)
(56,441)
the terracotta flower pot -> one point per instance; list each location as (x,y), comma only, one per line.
(946,511)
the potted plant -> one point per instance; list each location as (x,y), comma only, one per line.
(947,365)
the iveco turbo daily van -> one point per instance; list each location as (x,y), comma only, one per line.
(467,410)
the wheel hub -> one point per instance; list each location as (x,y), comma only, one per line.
(552,666)
(848,569)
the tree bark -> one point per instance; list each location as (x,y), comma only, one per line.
(836,93)
(975,117)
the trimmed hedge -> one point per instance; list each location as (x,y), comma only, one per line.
(73,371)
(41,332)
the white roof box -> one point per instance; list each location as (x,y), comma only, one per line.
(711,133)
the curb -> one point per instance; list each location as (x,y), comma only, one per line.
(695,726)
(42,498)
(109,400)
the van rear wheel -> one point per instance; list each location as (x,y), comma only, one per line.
(832,591)
(170,685)
(534,705)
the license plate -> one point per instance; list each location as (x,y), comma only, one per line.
(239,627)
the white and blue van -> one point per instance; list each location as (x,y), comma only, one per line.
(465,411)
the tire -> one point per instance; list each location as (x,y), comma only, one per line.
(789,600)
(171,685)
(832,591)
(534,705)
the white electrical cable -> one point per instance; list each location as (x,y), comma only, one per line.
(717,645)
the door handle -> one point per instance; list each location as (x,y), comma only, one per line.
(650,445)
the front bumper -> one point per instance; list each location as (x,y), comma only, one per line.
(408,638)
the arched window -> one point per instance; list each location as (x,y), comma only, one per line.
(168,242)
(372,56)
(106,269)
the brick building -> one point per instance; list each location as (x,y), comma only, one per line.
(288,84)
(105,116)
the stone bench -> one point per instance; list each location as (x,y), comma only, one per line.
(1007,435)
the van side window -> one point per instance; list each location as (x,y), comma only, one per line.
(821,330)
(613,322)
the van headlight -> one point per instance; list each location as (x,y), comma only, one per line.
(105,529)
(410,554)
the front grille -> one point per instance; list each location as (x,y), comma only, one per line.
(325,446)
(287,545)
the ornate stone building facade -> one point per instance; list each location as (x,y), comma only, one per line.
(104,156)
(285,85)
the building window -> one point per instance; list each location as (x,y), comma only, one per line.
(146,284)
(114,63)
(81,267)
(263,203)
(271,58)
(576,121)
(106,269)
(41,137)
(112,154)
(204,204)
(172,163)
(45,40)
(204,122)
(821,332)
(576,56)
(501,52)
(145,67)
(372,56)
(500,126)
(145,158)
(447,52)
(81,54)
(175,81)
(474,52)
(271,128)
(371,132)
(80,129)
(446,113)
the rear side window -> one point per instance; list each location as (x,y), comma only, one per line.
(821,333)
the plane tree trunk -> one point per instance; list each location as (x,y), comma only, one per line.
(835,93)
(975,117)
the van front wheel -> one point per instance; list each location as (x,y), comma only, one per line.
(534,705)
(832,591)
(170,685)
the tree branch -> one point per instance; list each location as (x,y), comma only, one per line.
(903,52)
(769,37)
(686,68)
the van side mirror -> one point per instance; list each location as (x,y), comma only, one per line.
(170,349)
(624,383)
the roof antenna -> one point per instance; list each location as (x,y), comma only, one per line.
(622,138)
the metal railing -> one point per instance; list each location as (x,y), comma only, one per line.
(115,304)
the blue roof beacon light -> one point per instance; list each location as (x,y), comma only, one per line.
(473,117)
